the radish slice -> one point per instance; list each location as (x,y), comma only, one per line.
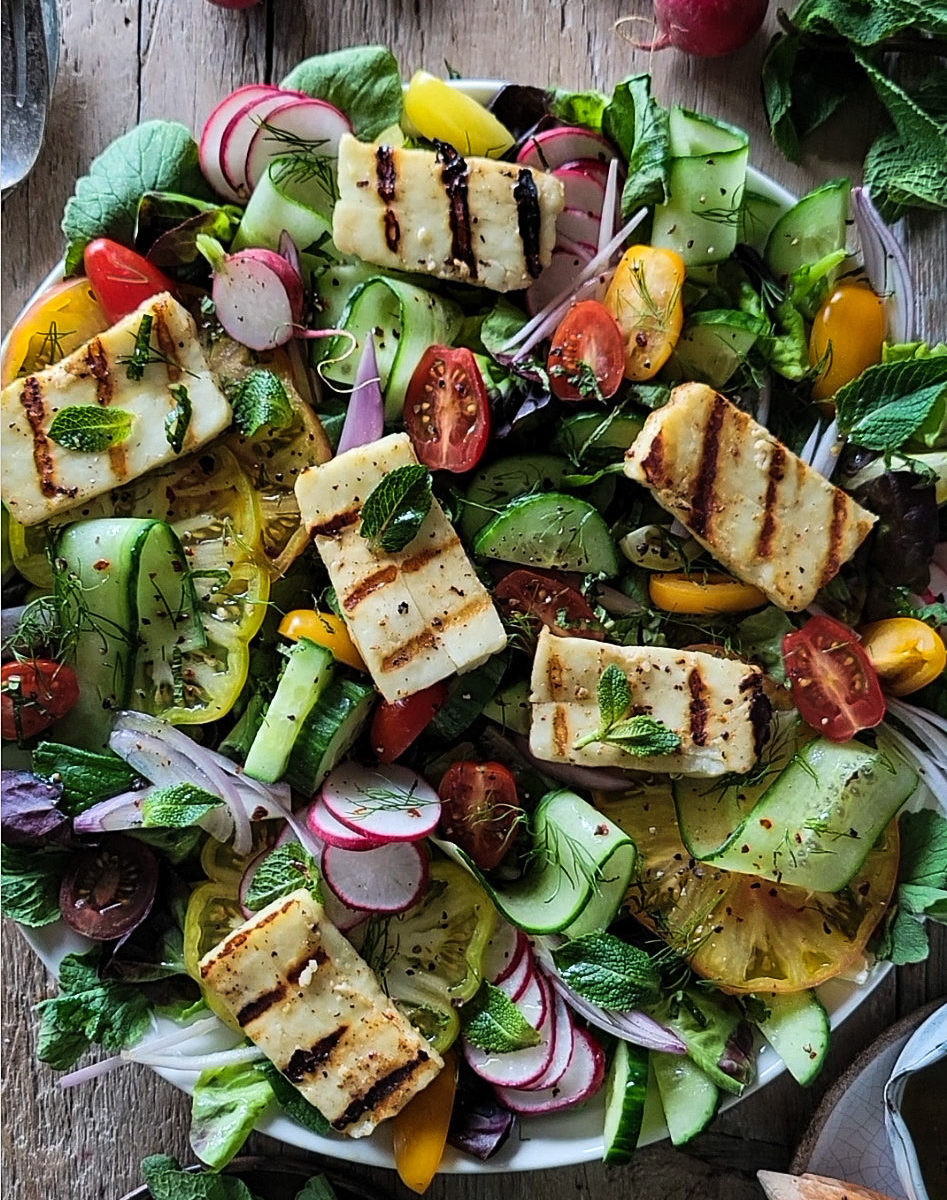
(324,825)
(385,880)
(240,132)
(387,803)
(504,950)
(307,125)
(560,276)
(579,226)
(215,127)
(257,295)
(565,1045)
(583,1078)
(516,979)
(518,1068)
(534,999)
(554,148)
(343,916)
(582,190)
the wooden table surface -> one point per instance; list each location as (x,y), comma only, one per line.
(127,60)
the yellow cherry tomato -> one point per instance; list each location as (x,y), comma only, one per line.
(848,333)
(644,297)
(439,111)
(420,1129)
(326,629)
(703,594)
(906,653)
(56,323)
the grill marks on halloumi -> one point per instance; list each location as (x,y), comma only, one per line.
(417,616)
(42,478)
(716,706)
(302,994)
(474,220)
(756,506)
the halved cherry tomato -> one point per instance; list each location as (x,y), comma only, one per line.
(645,299)
(446,410)
(834,685)
(325,629)
(398,723)
(548,601)
(33,694)
(419,1131)
(587,356)
(480,810)
(702,593)
(110,888)
(906,653)
(56,323)
(848,334)
(122,279)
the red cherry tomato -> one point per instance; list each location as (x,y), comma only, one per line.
(834,685)
(547,600)
(33,694)
(446,410)
(122,279)
(587,356)
(480,810)
(397,724)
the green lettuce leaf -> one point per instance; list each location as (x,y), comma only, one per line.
(639,127)
(363,81)
(226,1104)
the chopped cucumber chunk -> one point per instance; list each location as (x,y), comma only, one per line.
(797,1028)
(810,230)
(554,531)
(625,1089)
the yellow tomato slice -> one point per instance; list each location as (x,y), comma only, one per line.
(848,335)
(213,912)
(703,594)
(442,113)
(420,1129)
(325,629)
(906,653)
(56,323)
(644,297)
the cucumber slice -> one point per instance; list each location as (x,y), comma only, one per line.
(328,732)
(708,173)
(308,671)
(511,708)
(758,215)
(491,487)
(798,1030)
(713,345)
(816,823)
(595,438)
(626,1087)
(466,699)
(283,199)
(555,531)
(689,1098)
(811,229)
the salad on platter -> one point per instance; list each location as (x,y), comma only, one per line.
(476,577)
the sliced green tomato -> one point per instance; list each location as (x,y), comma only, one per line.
(430,957)
(713,345)
(689,1098)
(814,227)
(213,913)
(554,531)
(626,1087)
(797,1027)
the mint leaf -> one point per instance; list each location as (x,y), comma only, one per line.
(922,887)
(363,81)
(292,1101)
(87,776)
(89,428)
(640,128)
(156,156)
(166,1180)
(923,849)
(867,24)
(395,509)
(579,108)
(177,806)
(226,1104)
(904,940)
(614,695)
(87,1010)
(178,420)
(138,359)
(287,868)
(609,972)
(492,1022)
(643,736)
(890,425)
(259,401)
(317,1188)
(29,884)
(896,396)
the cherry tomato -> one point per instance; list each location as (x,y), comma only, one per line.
(326,629)
(398,723)
(834,685)
(110,888)
(56,323)
(906,653)
(443,113)
(546,600)
(645,299)
(122,279)
(587,356)
(446,410)
(33,694)
(480,810)
(848,332)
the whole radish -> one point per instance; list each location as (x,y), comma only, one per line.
(706,28)
(259,296)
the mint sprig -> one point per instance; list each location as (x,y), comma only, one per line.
(394,510)
(641,735)
(493,1023)
(609,972)
(260,401)
(288,867)
(89,428)
(177,806)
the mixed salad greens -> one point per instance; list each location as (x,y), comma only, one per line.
(191,702)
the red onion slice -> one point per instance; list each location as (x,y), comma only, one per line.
(886,267)
(365,419)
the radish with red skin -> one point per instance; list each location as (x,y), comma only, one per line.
(242,128)
(387,802)
(327,827)
(504,950)
(565,1045)
(558,277)
(315,124)
(342,915)
(582,1078)
(581,189)
(517,1069)
(258,297)
(513,981)
(388,879)
(578,225)
(216,125)
(554,148)
(705,28)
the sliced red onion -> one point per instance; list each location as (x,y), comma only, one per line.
(177,1037)
(926,724)
(118,812)
(290,251)
(606,230)
(811,442)
(365,419)
(590,778)
(927,766)
(92,1071)
(764,400)
(592,289)
(886,267)
(200,1062)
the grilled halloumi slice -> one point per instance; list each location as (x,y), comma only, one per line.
(42,478)
(715,705)
(473,220)
(300,992)
(417,616)
(757,507)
